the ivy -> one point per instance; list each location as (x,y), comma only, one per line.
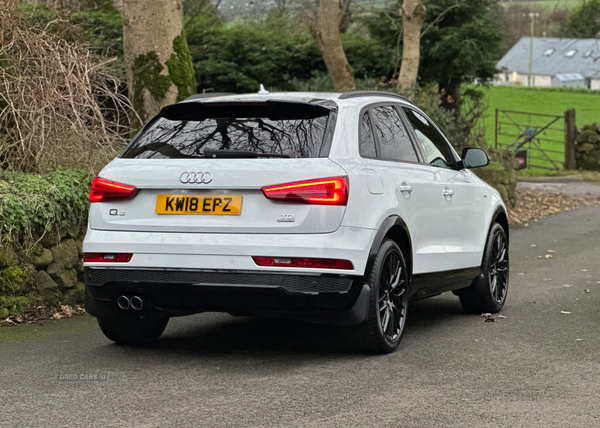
(31,204)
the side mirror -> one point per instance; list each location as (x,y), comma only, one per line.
(473,157)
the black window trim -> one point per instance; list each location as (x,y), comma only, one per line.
(404,120)
(455,157)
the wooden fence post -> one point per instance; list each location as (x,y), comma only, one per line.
(570,126)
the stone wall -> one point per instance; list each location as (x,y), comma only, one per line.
(501,174)
(49,273)
(587,148)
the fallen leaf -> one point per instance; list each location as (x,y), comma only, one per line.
(500,316)
(526,224)
(533,245)
(565,312)
(539,257)
(534,204)
(587,291)
(67,311)
(488,318)
(548,256)
(567,285)
(578,340)
(584,270)
(551,251)
(57,316)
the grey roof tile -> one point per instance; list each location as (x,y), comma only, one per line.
(517,58)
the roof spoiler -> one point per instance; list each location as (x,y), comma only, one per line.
(275,110)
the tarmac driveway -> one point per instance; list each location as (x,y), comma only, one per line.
(539,366)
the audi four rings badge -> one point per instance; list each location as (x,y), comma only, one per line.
(196,177)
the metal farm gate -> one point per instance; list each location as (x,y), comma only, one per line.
(538,140)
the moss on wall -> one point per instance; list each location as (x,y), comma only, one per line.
(42,227)
(587,148)
(12,277)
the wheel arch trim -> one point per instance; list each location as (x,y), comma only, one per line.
(500,210)
(386,226)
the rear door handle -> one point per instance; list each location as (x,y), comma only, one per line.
(405,187)
(448,192)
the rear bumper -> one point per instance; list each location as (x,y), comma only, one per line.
(231,251)
(333,299)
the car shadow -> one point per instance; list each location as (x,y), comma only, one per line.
(220,335)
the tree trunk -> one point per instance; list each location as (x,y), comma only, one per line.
(413,14)
(327,35)
(450,97)
(157,58)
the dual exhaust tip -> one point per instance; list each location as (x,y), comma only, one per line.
(135,302)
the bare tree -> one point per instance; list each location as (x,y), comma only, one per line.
(71,5)
(413,15)
(345,15)
(327,35)
(157,59)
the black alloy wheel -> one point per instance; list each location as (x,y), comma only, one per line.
(383,329)
(488,292)
(392,293)
(499,268)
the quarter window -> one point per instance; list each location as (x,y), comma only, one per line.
(433,143)
(394,140)
(367,140)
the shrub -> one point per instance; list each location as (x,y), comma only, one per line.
(33,204)
(60,106)
(238,56)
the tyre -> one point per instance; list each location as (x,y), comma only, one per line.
(383,329)
(132,329)
(488,292)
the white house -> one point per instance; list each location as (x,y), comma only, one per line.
(573,63)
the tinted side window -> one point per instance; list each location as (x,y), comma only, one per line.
(393,137)
(433,143)
(367,141)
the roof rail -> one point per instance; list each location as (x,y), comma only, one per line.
(208,95)
(356,94)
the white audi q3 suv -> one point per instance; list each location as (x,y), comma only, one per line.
(331,208)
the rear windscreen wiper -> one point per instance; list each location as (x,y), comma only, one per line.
(240,154)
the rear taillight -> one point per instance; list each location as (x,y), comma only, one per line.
(104,190)
(323,191)
(107,257)
(304,262)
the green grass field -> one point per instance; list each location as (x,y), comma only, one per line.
(544,101)
(547,4)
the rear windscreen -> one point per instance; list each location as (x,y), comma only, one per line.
(198,131)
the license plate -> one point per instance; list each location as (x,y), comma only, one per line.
(194,204)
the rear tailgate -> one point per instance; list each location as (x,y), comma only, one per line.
(231,178)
